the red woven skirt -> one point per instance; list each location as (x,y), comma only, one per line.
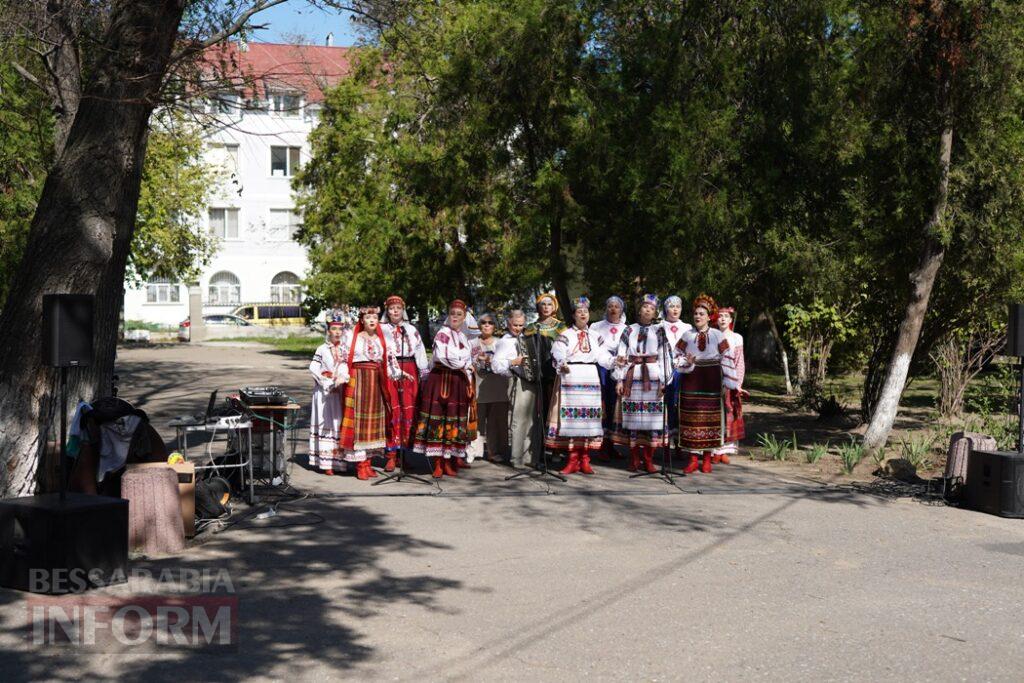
(700,408)
(442,429)
(364,426)
(404,402)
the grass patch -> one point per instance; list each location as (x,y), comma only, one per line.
(850,454)
(773,448)
(152,327)
(296,346)
(816,452)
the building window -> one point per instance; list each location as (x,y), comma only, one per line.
(284,223)
(286,104)
(161,290)
(285,289)
(225,288)
(284,161)
(225,154)
(224,223)
(228,103)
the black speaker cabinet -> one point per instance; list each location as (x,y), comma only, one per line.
(47,546)
(995,483)
(67,330)
(1015,332)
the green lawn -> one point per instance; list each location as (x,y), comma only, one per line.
(297,346)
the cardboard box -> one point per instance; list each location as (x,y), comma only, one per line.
(186,472)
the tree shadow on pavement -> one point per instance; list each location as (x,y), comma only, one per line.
(300,599)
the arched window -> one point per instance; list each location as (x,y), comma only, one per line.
(225,288)
(285,288)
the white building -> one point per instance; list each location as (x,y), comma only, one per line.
(259,139)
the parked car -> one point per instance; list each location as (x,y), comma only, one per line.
(271,314)
(217,320)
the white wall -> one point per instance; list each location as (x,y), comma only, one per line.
(256,256)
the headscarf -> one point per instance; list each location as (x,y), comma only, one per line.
(622,306)
(669,301)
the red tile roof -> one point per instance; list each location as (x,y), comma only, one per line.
(259,67)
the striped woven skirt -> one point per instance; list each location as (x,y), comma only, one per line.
(405,401)
(574,419)
(364,427)
(700,408)
(442,430)
(640,417)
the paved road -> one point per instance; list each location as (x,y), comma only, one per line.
(604,578)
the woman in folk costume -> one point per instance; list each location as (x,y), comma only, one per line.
(733,370)
(674,328)
(699,357)
(442,430)
(404,342)
(548,327)
(643,366)
(369,375)
(514,360)
(608,331)
(328,368)
(491,391)
(574,419)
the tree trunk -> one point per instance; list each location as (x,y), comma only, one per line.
(782,350)
(82,230)
(922,280)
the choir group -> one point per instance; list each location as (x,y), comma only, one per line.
(657,382)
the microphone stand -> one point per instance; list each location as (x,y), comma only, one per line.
(540,467)
(665,473)
(400,474)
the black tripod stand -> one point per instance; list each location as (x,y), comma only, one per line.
(665,473)
(399,474)
(540,465)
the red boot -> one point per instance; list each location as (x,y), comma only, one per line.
(438,469)
(361,470)
(724,459)
(649,460)
(573,466)
(691,466)
(462,464)
(634,459)
(705,465)
(585,467)
(450,469)
(389,466)
(716,458)
(329,472)
(370,472)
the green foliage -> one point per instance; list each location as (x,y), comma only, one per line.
(850,455)
(176,183)
(774,448)
(26,133)
(816,452)
(917,451)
